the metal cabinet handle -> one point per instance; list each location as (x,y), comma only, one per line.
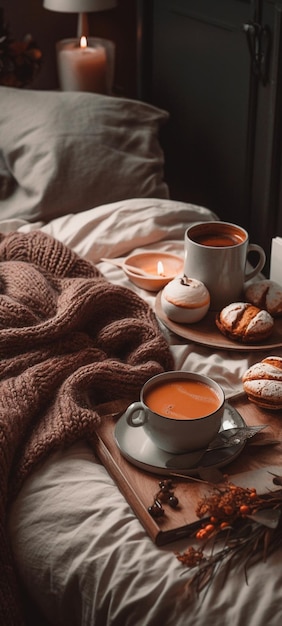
(259,45)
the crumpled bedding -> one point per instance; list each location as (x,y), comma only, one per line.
(81,552)
(70,341)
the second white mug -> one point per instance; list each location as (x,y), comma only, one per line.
(216,253)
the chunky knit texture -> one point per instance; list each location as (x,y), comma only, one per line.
(69,341)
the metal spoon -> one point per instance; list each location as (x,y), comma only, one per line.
(225,439)
(131,268)
(234,436)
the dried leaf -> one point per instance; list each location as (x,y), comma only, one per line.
(211,475)
(266,543)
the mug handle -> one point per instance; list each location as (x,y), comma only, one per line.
(136,414)
(253,247)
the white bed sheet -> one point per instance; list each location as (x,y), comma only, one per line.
(82,553)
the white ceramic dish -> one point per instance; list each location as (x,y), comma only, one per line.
(137,448)
(207,334)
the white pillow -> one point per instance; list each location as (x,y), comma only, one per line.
(65,152)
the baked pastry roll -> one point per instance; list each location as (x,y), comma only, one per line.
(266,294)
(244,322)
(262,383)
(185,300)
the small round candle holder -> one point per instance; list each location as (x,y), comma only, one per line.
(86,64)
(160,268)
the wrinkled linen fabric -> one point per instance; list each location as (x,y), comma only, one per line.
(63,153)
(81,552)
(87,561)
(69,341)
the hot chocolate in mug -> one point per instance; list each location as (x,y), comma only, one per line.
(216,253)
(179,411)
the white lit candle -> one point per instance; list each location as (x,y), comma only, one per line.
(160,269)
(83,67)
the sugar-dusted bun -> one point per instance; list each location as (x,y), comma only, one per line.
(266,294)
(262,383)
(185,300)
(244,322)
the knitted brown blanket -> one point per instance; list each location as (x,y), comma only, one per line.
(69,340)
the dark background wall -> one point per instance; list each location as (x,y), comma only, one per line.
(48,27)
(217,68)
(223,142)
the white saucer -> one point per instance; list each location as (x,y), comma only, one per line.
(138,448)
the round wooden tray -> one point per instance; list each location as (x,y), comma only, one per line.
(206,332)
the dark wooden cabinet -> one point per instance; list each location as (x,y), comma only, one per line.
(216,67)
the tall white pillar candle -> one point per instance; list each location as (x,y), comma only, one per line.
(82,67)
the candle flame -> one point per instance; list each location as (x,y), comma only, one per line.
(83,42)
(160,269)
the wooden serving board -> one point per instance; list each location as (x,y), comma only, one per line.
(252,468)
(207,334)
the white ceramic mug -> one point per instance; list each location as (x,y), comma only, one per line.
(167,411)
(216,253)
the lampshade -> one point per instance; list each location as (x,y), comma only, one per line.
(79,6)
(82,7)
